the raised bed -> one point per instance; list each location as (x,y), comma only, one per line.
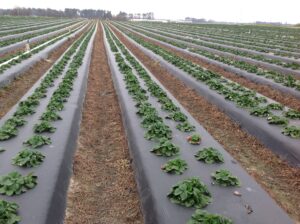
(270,135)
(250,76)
(256,50)
(18,69)
(154,184)
(285,71)
(46,202)
(45,28)
(17,45)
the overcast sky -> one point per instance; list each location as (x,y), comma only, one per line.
(219,10)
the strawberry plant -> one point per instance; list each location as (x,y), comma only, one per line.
(165,148)
(44,126)
(177,166)
(37,141)
(177,116)
(293,114)
(275,106)
(292,131)
(190,193)
(168,105)
(185,127)
(225,178)
(50,115)
(157,131)
(24,110)
(30,102)
(260,111)
(194,139)
(14,183)
(16,121)
(145,108)
(8,212)
(273,119)
(28,158)
(209,155)
(204,217)
(150,119)
(7,131)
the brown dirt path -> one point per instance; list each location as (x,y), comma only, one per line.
(103,189)
(279,179)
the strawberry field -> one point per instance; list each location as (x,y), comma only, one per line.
(168,122)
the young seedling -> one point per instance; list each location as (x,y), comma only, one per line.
(2,149)
(16,121)
(150,119)
(177,166)
(209,155)
(157,131)
(8,131)
(37,141)
(277,120)
(14,183)
(292,131)
(194,139)
(275,106)
(165,148)
(260,111)
(8,212)
(177,116)
(225,178)
(28,158)
(50,115)
(185,127)
(44,126)
(293,114)
(204,217)
(190,193)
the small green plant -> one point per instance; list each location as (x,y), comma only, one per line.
(38,141)
(157,131)
(145,109)
(150,119)
(28,158)
(2,149)
(190,193)
(24,110)
(293,114)
(177,116)
(292,131)
(225,178)
(277,120)
(14,183)
(275,106)
(16,121)
(8,212)
(168,105)
(260,111)
(7,131)
(44,126)
(185,127)
(194,139)
(165,148)
(50,115)
(209,155)
(204,217)
(177,166)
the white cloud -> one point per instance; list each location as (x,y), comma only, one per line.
(220,10)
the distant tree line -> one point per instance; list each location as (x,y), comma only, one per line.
(68,12)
